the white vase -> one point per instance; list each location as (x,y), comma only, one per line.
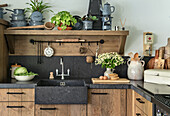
(135,70)
(108,71)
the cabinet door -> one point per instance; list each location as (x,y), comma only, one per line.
(139,112)
(107,102)
(60,110)
(16,108)
(46,110)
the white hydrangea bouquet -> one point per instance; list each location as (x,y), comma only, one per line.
(109,60)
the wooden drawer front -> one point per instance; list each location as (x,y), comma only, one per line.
(16,94)
(143,104)
(139,112)
(61,110)
(29,95)
(17,108)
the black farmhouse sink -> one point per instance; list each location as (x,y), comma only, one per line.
(61,92)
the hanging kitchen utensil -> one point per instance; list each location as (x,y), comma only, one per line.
(97,50)
(41,52)
(83,50)
(38,52)
(48,52)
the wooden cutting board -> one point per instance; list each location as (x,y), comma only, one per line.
(167,63)
(167,48)
(119,81)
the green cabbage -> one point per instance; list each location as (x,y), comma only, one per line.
(20,70)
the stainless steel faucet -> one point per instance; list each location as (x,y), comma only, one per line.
(62,73)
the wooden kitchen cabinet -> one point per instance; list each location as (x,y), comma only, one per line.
(17,94)
(17,108)
(138,105)
(107,102)
(60,110)
(17,102)
(143,104)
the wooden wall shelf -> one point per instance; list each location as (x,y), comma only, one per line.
(18,41)
(72,32)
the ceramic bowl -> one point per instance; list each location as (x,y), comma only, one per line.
(24,78)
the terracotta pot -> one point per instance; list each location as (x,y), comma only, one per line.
(68,28)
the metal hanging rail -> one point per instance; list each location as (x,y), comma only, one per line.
(38,41)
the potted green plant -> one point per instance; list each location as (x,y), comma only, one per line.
(88,22)
(37,8)
(64,20)
(109,61)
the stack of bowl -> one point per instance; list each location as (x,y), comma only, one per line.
(36,19)
(2,13)
(18,18)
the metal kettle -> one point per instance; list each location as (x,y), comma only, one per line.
(107,9)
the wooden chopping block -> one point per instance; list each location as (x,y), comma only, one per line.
(167,48)
(159,63)
(166,56)
(167,63)
(161,52)
(151,62)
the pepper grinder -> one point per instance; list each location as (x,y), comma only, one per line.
(51,75)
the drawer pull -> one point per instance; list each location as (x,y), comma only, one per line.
(48,108)
(138,114)
(99,93)
(15,92)
(140,101)
(15,106)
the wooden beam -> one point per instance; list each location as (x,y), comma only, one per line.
(122,44)
(3,55)
(11,43)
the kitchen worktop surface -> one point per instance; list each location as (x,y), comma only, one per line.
(147,90)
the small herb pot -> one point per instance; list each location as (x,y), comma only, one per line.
(87,25)
(36,16)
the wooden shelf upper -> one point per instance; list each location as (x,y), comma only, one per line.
(65,33)
(114,40)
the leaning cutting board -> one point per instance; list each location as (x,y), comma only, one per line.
(167,47)
(119,81)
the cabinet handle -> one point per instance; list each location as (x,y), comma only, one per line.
(138,114)
(140,101)
(48,108)
(15,106)
(15,93)
(99,93)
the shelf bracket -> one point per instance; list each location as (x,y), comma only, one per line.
(10,43)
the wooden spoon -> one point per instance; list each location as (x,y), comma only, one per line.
(47,25)
(136,57)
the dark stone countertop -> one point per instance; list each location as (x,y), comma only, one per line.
(149,91)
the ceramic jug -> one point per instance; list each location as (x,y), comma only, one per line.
(135,69)
(106,10)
